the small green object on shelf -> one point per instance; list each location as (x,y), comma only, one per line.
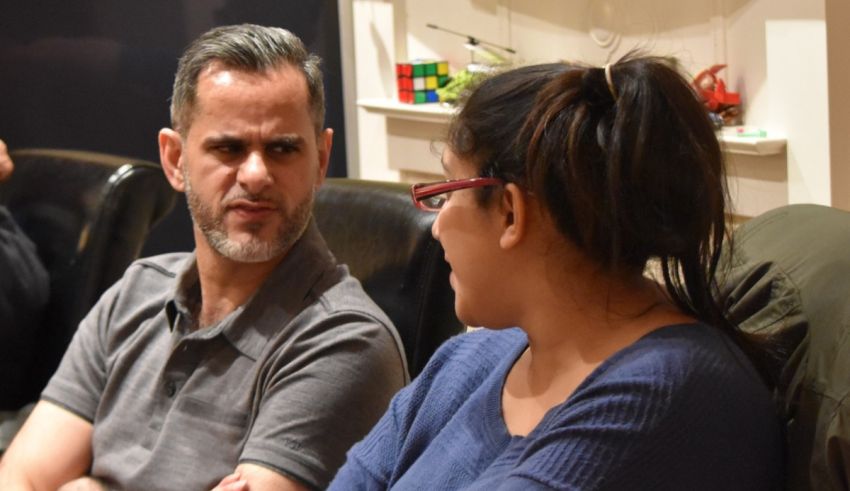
(457,85)
(752,133)
(744,132)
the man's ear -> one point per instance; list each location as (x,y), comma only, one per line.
(324,142)
(171,157)
(513,206)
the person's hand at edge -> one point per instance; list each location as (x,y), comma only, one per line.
(233,482)
(6,165)
(83,484)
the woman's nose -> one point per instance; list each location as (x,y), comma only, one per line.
(435,232)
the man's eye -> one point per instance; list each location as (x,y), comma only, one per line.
(282,148)
(228,148)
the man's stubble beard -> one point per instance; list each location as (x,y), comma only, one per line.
(254,250)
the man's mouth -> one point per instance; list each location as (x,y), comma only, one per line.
(251,210)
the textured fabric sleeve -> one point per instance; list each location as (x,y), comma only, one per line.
(78,383)
(415,415)
(324,394)
(370,463)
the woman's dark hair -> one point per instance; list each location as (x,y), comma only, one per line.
(629,170)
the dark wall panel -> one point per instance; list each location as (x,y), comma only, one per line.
(97,74)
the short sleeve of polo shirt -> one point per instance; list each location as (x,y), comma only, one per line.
(78,383)
(322,397)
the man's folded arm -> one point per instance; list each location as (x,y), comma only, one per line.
(52,448)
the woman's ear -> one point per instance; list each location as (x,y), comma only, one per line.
(513,206)
(170,155)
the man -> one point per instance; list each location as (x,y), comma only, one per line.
(24,291)
(255,354)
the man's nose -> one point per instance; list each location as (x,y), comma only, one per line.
(253,174)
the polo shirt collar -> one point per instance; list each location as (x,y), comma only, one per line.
(283,295)
(186,292)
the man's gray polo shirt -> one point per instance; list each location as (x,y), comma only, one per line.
(290,380)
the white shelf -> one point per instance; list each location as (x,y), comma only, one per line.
(440,114)
(732,142)
(428,112)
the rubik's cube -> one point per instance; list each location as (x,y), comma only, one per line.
(418,80)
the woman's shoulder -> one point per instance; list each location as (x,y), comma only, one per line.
(682,395)
(678,408)
(676,372)
(685,353)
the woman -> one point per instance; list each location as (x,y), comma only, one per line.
(564,182)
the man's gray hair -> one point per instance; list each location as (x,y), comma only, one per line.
(250,48)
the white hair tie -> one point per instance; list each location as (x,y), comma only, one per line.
(611,88)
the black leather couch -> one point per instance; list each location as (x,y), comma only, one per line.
(386,242)
(88,214)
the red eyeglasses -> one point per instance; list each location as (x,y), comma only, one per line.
(431,196)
